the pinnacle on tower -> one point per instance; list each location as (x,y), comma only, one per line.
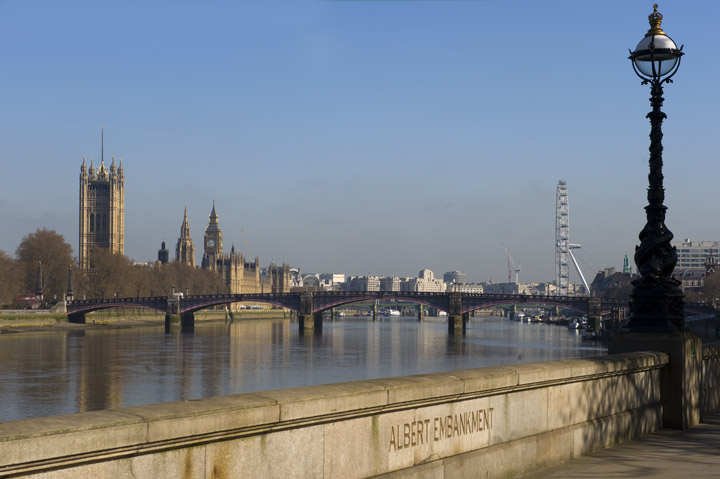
(185,228)
(185,249)
(102,172)
(213,215)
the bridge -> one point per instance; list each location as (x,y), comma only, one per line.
(309,305)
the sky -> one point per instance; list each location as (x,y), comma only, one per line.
(358,137)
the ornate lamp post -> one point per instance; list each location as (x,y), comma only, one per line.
(656,303)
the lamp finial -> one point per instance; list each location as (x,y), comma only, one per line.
(655,19)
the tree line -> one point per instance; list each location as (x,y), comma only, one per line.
(46,253)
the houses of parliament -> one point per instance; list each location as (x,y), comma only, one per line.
(239,275)
(102,224)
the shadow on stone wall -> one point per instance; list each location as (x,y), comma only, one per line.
(617,408)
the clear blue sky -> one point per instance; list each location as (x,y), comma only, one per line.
(358,136)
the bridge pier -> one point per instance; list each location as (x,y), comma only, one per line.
(594,313)
(229,318)
(172,321)
(456,324)
(420,312)
(187,321)
(374,311)
(309,323)
(78,318)
(456,317)
(308,320)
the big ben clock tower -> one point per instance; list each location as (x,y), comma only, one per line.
(213,242)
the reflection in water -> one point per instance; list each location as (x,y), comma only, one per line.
(65,372)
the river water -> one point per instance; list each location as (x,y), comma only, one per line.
(64,372)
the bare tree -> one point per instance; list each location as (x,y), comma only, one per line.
(9,279)
(48,250)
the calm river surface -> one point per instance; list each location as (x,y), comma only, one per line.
(65,372)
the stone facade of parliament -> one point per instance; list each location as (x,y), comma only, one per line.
(238,275)
(102,210)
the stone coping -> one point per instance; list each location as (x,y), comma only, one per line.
(59,441)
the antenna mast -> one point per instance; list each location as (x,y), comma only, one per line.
(562,238)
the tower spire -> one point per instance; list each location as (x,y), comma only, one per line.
(102,144)
(213,215)
(185,228)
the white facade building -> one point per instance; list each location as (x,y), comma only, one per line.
(464,288)
(390,283)
(425,282)
(694,254)
(362,283)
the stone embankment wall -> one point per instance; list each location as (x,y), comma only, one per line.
(710,379)
(502,421)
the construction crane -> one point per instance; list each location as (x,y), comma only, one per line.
(512,267)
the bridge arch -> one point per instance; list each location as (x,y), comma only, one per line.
(358,299)
(90,308)
(222,301)
(492,304)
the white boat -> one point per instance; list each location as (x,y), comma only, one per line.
(574,323)
(393,312)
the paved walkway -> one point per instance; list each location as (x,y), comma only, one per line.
(669,454)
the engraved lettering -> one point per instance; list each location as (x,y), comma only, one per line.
(392,439)
(417,432)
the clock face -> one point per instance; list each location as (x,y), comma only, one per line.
(211,243)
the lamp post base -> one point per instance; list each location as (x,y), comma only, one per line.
(656,308)
(679,380)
